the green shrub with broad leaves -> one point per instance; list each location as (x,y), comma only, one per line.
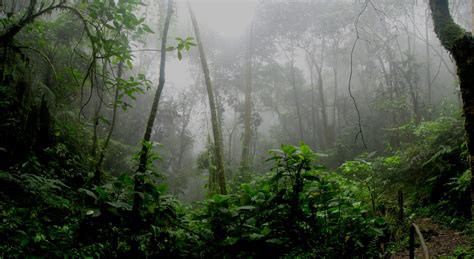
(298,209)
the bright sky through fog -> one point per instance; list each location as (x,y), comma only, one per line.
(228,18)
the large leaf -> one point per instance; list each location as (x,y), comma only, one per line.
(120,205)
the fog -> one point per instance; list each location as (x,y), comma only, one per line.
(236,128)
(344,77)
(287,36)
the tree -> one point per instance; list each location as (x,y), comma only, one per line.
(460,44)
(112,126)
(326,139)
(248,104)
(144,154)
(216,129)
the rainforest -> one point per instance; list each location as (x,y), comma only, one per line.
(236,128)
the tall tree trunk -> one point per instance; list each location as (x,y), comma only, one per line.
(428,68)
(96,118)
(139,176)
(461,46)
(186,116)
(214,116)
(324,114)
(295,95)
(254,145)
(326,140)
(334,132)
(248,104)
(98,173)
(313,105)
(212,182)
(229,145)
(472,17)
(231,139)
(159,90)
(410,78)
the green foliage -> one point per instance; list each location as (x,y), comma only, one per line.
(261,219)
(185,44)
(51,207)
(265,215)
(436,165)
(299,209)
(39,204)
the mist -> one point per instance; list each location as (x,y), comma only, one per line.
(236,117)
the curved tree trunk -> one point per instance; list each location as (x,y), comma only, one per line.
(461,46)
(159,90)
(139,176)
(103,151)
(214,116)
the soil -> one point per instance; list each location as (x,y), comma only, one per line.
(441,242)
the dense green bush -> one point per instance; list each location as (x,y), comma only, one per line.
(50,206)
(298,209)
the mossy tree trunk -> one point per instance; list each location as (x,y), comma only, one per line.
(216,128)
(461,46)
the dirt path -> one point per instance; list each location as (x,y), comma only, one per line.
(441,242)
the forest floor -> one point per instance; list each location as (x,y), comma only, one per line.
(441,242)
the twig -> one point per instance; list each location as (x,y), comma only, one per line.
(360,132)
(45,58)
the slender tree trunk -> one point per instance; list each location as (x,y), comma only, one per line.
(231,139)
(313,106)
(410,78)
(142,166)
(335,102)
(281,117)
(214,116)
(324,114)
(182,146)
(248,104)
(428,68)
(255,145)
(159,90)
(97,110)
(335,108)
(98,172)
(186,116)
(461,46)
(325,138)
(295,95)
(229,154)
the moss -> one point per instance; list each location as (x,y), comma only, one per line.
(446,29)
(461,45)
